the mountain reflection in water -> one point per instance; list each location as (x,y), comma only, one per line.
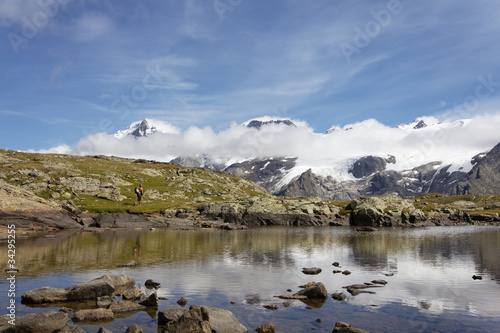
(430,285)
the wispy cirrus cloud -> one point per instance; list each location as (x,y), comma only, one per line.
(13,12)
(91,26)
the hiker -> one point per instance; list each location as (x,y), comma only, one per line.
(140,192)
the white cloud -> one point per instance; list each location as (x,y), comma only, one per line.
(453,142)
(13,11)
(91,26)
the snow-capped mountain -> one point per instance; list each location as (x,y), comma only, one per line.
(287,157)
(147,127)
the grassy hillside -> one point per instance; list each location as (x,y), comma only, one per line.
(100,184)
(106,184)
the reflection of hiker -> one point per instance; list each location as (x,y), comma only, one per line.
(137,247)
(140,192)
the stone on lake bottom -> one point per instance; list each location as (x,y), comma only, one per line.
(341,327)
(267,328)
(134,329)
(339,296)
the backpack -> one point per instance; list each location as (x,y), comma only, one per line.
(137,190)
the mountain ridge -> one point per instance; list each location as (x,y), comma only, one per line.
(353,176)
(362,158)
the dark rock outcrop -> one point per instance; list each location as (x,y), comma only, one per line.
(151,300)
(259,123)
(367,165)
(266,172)
(484,178)
(304,186)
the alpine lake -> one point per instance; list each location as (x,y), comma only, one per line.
(428,272)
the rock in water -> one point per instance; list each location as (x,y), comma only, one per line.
(182,302)
(267,328)
(151,300)
(151,284)
(311,271)
(384,282)
(133,294)
(341,327)
(339,296)
(45,322)
(200,319)
(317,290)
(93,315)
(134,329)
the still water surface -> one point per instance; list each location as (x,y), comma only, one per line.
(430,288)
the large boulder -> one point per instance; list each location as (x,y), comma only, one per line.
(367,211)
(120,282)
(194,320)
(134,328)
(314,291)
(126,306)
(44,322)
(133,294)
(103,286)
(223,321)
(25,210)
(90,290)
(45,295)
(93,315)
(200,319)
(169,315)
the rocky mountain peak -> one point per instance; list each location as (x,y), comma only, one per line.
(420,124)
(259,123)
(142,129)
(137,129)
(147,127)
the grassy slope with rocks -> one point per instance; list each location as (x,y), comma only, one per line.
(103,184)
(106,184)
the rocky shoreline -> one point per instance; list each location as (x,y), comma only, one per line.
(29,212)
(53,192)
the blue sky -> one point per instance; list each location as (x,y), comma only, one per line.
(71,68)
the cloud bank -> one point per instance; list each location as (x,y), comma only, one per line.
(451,142)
